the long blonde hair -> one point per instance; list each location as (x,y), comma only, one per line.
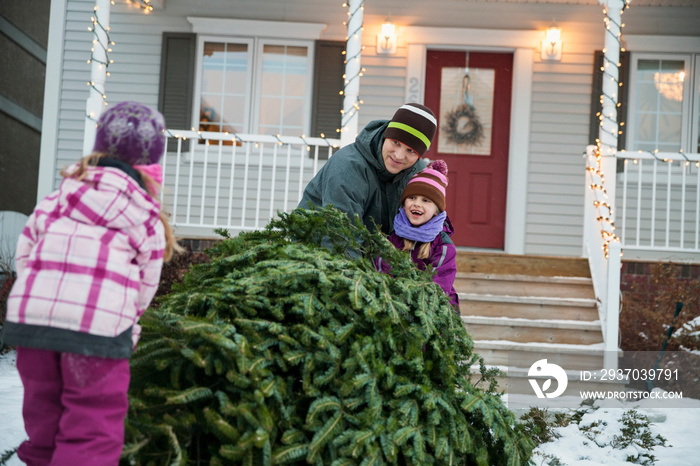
(423,251)
(171,245)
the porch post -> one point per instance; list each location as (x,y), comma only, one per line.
(98,72)
(608,136)
(611,331)
(353,53)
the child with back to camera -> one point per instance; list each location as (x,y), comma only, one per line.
(423,229)
(88,264)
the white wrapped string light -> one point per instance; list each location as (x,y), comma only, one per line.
(353,72)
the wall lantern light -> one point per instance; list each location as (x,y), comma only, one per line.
(386,40)
(551,44)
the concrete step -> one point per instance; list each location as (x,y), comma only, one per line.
(534,330)
(524,285)
(527,307)
(515,354)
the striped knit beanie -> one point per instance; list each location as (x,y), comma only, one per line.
(414,125)
(132,133)
(429,182)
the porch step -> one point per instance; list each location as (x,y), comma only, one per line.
(515,354)
(524,285)
(534,330)
(528,307)
(520,309)
(512,264)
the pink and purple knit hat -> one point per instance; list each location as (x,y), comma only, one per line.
(131,132)
(429,182)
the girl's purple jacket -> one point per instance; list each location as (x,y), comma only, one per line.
(443,254)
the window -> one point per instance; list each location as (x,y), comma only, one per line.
(254,85)
(287,82)
(664,103)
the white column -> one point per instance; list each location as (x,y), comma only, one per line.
(52,100)
(98,73)
(608,136)
(611,332)
(353,53)
(609,128)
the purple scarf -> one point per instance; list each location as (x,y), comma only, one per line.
(424,233)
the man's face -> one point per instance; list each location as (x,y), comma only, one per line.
(398,156)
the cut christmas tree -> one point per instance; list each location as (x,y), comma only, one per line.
(283,351)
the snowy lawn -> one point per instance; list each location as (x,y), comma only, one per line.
(680,427)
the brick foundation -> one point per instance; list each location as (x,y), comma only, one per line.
(637,277)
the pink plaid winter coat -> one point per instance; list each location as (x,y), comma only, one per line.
(88,263)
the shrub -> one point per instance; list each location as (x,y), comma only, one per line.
(279,351)
(7,279)
(647,315)
(175,269)
(648,307)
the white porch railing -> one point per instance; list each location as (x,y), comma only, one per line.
(237,182)
(652,205)
(659,202)
(602,248)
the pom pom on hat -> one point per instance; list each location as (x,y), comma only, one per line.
(414,125)
(438,165)
(132,133)
(429,182)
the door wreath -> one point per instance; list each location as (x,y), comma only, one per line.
(462,125)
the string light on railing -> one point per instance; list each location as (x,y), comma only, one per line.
(323,136)
(604,212)
(308,147)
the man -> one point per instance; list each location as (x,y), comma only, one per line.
(366,178)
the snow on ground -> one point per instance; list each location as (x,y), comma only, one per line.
(11,393)
(680,427)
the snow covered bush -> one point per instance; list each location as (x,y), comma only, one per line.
(594,434)
(279,351)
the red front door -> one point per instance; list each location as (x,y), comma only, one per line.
(470,92)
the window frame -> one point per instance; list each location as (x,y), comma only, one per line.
(285,32)
(687,118)
(260,43)
(198,67)
(253,80)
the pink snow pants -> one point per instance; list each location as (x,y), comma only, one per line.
(74,408)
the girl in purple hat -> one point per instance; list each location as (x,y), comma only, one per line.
(423,229)
(88,264)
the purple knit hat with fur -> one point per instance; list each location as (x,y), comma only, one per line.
(131,132)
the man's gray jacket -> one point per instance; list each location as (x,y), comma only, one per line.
(355,181)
